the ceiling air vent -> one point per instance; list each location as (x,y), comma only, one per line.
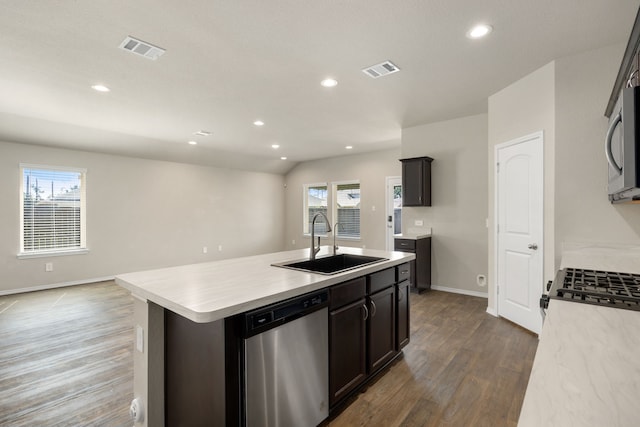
(141,48)
(382,69)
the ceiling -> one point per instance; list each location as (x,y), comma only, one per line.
(231,62)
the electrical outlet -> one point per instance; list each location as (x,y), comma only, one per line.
(205,249)
(48,266)
(481,279)
(219,248)
(293,242)
(373,208)
(418,223)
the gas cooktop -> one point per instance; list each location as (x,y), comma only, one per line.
(605,288)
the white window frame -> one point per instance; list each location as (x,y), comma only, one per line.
(305,208)
(83,214)
(334,209)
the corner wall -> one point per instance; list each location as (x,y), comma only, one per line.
(459,199)
(583,214)
(524,107)
(143,214)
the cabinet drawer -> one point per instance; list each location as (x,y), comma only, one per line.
(380,280)
(403,272)
(347,292)
(407,245)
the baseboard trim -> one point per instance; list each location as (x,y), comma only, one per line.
(54,285)
(492,311)
(460,291)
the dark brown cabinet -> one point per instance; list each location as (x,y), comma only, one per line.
(347,338)
(403,331)
(416,181)
(363,328)
(420,268)
(382,328)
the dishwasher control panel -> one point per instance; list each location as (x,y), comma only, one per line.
(264,318)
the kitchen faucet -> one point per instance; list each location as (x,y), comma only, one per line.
(335,247)
(314,250)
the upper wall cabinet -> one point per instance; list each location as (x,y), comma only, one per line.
(416,181)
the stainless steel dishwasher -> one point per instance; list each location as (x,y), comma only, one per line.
(286,363)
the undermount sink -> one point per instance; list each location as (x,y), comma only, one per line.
(331,264)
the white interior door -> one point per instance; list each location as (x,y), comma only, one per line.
(394,209)
(519,199)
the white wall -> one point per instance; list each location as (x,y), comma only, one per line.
(143,214)
(525,107)
(370,169)
(459,198)
(583,213)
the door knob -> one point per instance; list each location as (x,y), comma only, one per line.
(533,246)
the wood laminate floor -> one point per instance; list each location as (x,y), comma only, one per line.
(66,357)
(66,360)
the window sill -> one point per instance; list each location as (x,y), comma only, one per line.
(44,254)
(353,239)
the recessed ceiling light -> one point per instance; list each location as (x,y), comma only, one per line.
(283,158)
(193,142)
(275,146)
(258,123)
(100,88)
(202,133)
(348,147)
(479,31)
(329,82)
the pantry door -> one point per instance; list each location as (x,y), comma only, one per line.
(519,206)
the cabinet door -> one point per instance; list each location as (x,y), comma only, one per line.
(402,313)
(412,183)
(347,347)
(382,328)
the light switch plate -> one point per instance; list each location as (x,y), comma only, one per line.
(418,223)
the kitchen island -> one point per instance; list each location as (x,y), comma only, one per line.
(198,306)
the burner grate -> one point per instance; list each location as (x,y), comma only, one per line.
(601,287)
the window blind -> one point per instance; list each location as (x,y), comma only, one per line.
(53,209)
(347,202)
(316,201)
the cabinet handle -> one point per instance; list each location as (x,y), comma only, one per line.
(404,271)
(374,309)
(404,244)
(399,295)
(366,312)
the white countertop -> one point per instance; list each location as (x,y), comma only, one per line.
(586,370)
(587,367)
(211,291)
(422,235)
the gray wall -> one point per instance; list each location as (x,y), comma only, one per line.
(566,99)
(459,198)
(583,213)
(143,214)
(524,107)
(370,169)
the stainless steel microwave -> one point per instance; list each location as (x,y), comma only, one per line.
(622,148)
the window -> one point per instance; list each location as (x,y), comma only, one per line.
(346,203)
(52,205)
(315,200)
